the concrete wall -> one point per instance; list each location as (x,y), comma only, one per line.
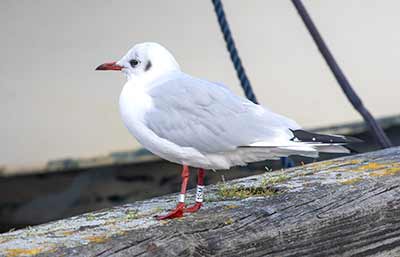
(53,104)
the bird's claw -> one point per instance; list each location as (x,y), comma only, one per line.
(179,210)
(193,208)
(175,213)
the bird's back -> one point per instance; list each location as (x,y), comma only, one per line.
(196,113)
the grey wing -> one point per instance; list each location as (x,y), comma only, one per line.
(196,113)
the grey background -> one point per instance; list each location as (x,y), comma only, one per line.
(54,105)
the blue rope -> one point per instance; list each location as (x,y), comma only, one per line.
(230,44)
(237,63)
(374,127)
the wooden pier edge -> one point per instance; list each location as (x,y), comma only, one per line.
(343,207)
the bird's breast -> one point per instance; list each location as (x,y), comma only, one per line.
(134,103)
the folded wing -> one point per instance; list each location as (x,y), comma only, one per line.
(210,118)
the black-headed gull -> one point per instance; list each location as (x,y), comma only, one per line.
(198,123)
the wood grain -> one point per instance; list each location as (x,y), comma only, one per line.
(343,207)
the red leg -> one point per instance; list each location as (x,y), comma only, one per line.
(199,192)
(178,211)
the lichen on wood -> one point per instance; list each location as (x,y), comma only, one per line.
(342,207)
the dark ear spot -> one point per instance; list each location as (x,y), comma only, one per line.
(148,66)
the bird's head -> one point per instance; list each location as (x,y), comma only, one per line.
(145,60)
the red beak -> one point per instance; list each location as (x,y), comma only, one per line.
(109,66)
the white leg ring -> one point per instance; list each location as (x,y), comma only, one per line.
(181,198)
(199,193)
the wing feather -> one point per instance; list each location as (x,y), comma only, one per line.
(191,112)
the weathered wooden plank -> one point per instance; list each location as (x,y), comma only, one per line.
(343,207)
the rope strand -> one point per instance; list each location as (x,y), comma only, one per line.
(374,127)
(237,63)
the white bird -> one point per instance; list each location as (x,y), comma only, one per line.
(198,123)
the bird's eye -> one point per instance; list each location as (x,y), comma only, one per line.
(134,62)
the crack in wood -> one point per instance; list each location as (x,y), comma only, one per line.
(316,215)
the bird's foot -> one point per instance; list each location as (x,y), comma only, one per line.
(194,208)
(175,213)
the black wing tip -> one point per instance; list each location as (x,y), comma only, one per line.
(305,136)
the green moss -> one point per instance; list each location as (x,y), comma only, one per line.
(90,217)
(156,210)
(131,214)
(307,173)
(232,206)
(351,181)
(241,192)
(229,221)
(272,180)
(211,198)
